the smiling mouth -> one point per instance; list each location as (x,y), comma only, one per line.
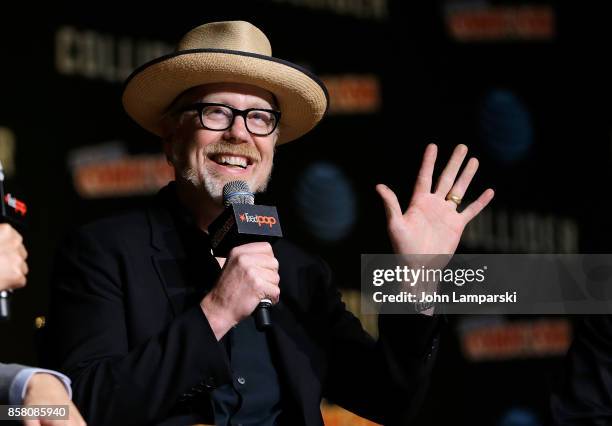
(233,161)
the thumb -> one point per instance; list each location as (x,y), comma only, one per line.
(392,207)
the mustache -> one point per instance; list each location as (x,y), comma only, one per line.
(243,150)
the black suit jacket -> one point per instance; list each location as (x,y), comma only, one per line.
(126,326)
(585,397)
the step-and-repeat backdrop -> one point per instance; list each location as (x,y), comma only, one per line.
(523,84)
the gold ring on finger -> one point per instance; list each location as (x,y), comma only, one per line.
(454,198)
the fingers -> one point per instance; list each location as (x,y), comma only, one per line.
(253,259)
(22,251)
(266,279)
(267,275)
(5,231)
(447,178)
(269,291)
(263,261)
(252,248)
(461,185)
(475,207)
(9,236)
(392,206)
(425,176)
(75,417)
(24,270)
(13,255)
(13,267)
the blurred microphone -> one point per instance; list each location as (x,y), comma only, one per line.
(12,211)
(244,222)
(5,306)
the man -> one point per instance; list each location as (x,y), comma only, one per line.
(153,329)
(21,385)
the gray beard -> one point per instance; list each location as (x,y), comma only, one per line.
(212,183)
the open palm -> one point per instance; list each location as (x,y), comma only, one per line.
(431,224)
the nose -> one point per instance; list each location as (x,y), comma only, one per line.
(238,132)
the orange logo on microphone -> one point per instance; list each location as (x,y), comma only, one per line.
(266,220)
(260,220)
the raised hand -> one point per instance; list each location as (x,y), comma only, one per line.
(431,224)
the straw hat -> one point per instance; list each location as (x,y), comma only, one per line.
(226,52)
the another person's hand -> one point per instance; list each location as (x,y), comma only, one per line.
(431,223)
(13,267)
(46,389)
(249,275)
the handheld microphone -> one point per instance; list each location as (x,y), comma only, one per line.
(244,222)
(5,306)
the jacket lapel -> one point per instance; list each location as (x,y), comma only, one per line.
(170,259)
(184,273)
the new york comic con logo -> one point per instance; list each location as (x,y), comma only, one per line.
(259,220)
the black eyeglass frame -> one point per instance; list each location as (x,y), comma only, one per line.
(199,107)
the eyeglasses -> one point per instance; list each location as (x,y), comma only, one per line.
(219,117)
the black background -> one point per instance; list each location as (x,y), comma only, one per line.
(432,90)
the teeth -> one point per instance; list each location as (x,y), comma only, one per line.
(232,161)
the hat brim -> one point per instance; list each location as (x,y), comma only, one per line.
(151,89)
